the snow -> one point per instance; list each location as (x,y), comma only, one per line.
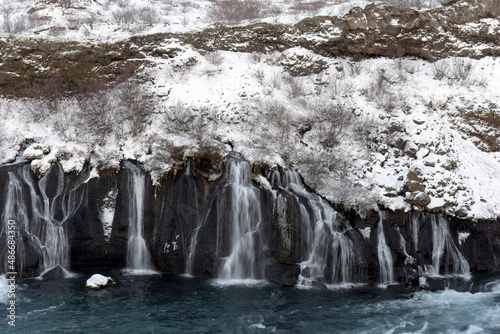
(462,237)
(215,101)
(98,281)
(366,232)
(96,21)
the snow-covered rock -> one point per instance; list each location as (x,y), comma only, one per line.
(98,281)
(36,151)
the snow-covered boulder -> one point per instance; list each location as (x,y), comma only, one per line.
(98,281)
(36,151)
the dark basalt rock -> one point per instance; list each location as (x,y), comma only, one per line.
(282,273)
(55,273)
(319,285)
(173,213)
(482,246)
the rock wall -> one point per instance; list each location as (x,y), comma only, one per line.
(461,28)
(187,205)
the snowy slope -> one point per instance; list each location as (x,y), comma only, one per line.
(105,20)
(355,131)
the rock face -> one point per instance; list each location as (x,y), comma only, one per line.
(461,28)
(189,228)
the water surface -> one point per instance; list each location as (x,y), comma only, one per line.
(163,304)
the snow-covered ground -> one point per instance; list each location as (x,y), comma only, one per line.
(98,20)
(354,131)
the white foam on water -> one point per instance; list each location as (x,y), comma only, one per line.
(258,325)
(494,286)
(48,309)
(67,273)
(4,289)
(248,282)
(473,330)
(140,272)
(344,286)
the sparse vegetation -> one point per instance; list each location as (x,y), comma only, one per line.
(234,11)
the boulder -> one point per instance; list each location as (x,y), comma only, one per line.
(282,273)
(98,281)
(54,273)
(318,285)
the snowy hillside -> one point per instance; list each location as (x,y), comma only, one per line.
(99,20)
(402,133)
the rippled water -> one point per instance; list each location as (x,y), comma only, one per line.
(162,304)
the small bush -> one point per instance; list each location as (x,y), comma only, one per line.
(148,16)
(215,58)
(457,71)
(333,123)
(312,6)
(125,15)
(234,11)
(295,86)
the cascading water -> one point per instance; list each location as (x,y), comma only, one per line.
(236,214)
(329,254)
(443,247)
(41,211)
(245,221)
(385,260)
(138,255)
(414,229)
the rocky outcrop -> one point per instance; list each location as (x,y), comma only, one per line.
(461,28)
(188,207)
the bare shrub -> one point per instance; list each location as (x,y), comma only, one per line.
(460,71)
(260,75)
(308,6)
(148,15)
(13,24)
(279,117)
(457,71)
(96,111)
(276,80)
(339,86)
(315,164)
(124,15)
(334,121)
(256,57)
(185,120)
(365,128)
(379,87)
(295,86)
(405,68)
(46,98)
(407,3)
(439,70)
(134,105)
(234,11)
(215,58)
(35,20)
(354,68)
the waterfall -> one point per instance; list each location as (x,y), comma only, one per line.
(41,208)
(192,252)
(329,254)
(138,256)
(444,247)
(244,226)
(414,229)
(384,254)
